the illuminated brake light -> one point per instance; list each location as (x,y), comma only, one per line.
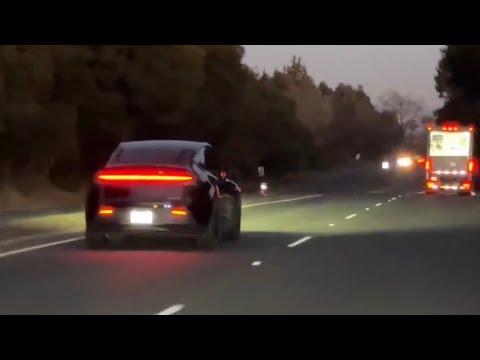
(467,185)
(471,129)
(471,166)
(106,211)
(139,177)
(431,185)
(144,175)
(179,212)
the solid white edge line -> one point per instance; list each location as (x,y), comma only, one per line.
(350,216)
(172,309)
(298,242)
(281,201)
(379,204)
(38,247)
(37,236)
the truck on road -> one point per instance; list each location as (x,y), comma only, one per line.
(450,165)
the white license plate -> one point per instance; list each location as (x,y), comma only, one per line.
(141,217)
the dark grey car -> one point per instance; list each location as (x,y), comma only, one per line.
(162,188)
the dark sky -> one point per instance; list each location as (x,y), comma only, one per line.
(410,69)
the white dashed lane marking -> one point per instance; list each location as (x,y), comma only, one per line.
(298,242)
(172,309)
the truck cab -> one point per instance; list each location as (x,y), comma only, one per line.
(449,163)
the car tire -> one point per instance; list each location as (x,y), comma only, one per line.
(95,240)
(215,232)
(237,223)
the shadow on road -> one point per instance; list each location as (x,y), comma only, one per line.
(249,242)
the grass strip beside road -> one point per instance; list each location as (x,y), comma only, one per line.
(43,225)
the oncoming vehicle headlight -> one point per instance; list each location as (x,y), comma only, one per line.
(385,165)
(263,186)
(404,162)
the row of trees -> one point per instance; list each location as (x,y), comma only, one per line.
(63,108)
(458,83)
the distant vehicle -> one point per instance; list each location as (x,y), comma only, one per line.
(449,164)
(162,188)
(402,162)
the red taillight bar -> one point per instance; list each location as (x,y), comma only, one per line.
(140,177)
(144,175)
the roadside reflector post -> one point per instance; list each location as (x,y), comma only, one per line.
(261,171)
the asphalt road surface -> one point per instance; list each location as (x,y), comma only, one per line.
(352,250)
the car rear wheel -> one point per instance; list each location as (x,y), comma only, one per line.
(235,230)
(218,227)
(95,239)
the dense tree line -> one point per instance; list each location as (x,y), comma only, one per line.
(458,83)
(63,108)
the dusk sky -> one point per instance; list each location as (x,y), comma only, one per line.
(409,69)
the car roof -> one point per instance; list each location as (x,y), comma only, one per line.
(162,144)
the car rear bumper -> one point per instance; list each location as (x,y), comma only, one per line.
(161,221)
(125,231)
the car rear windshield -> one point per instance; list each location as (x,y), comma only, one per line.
(152,156)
